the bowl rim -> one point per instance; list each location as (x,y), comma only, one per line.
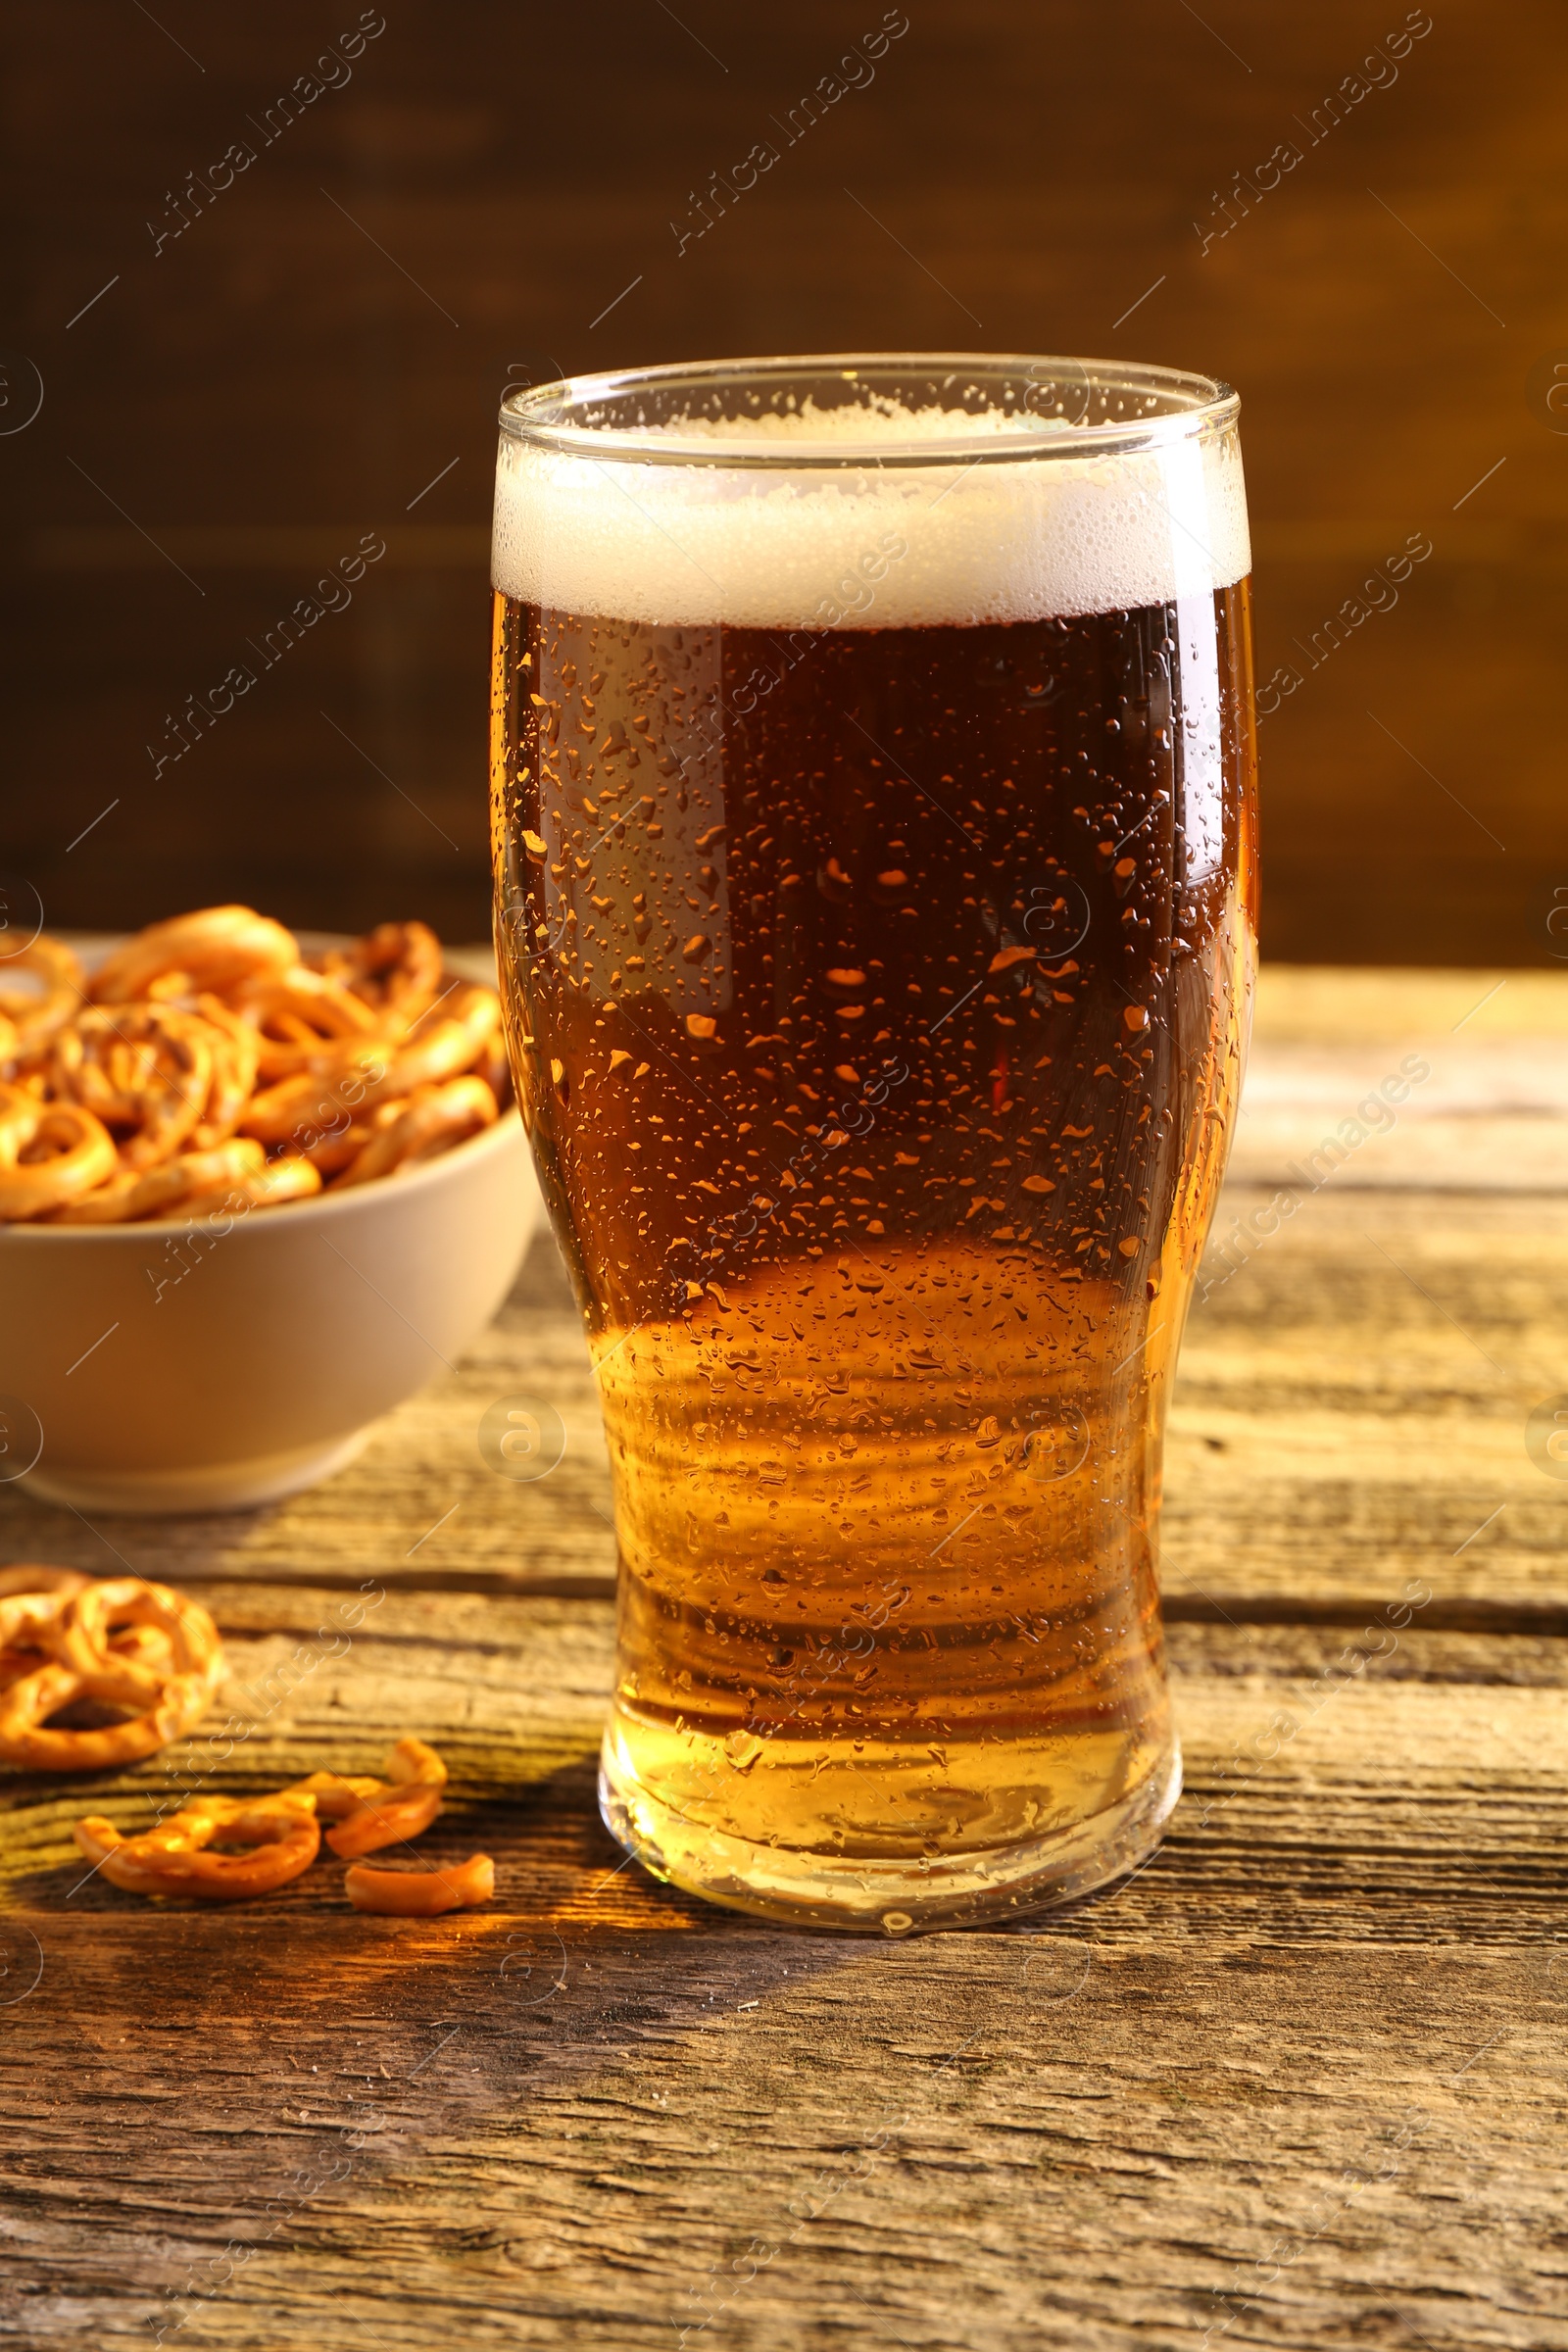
(422,1177)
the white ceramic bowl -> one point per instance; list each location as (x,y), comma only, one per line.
(180,1367)
(175,1368)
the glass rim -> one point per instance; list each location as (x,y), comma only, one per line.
(550,417)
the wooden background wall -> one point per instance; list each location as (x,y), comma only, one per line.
(318,354)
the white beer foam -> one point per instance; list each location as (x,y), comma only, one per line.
(786,547)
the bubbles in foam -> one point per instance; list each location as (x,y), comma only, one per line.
(967,538)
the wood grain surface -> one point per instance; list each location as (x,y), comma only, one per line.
(1298,2082)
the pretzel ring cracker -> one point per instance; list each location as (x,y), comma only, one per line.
(129,1194)
(19,1112)
(290,1178)
(377,1813)
(357,1075)
(26,1740)
(213,949)
(145,1067)
(282,1832)
(411,1760)
(50,1152)
(235,1051)
(13,1664)
(474,1009)
(112,1202)
(493,1067)
(385,1817)
(398,1809)
(390,1818)
(434,1119)
(421,1894)
(111,1603)
(147,1647)
(336,1149)
(26,1617)
(34,1015)
(32,1601)
(344,1082)
(30,1576)
(396,968)
(334,1795)
(410,1764)
(296,1014)
(144,1644)
(82,1659)
(113,1097)
(26,1620)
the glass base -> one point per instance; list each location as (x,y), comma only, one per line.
(862,1896)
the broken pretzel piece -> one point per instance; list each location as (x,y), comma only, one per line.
(421,1894)
(282,1832)
(385,1813)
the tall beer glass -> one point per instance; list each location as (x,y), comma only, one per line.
(873,795)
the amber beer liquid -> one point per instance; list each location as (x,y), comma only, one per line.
(875,868)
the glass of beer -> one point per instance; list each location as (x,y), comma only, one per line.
(875,855)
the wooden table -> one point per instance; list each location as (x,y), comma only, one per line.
(1299,2082)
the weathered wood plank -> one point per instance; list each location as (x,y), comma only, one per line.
(1351,1413)
(1297,2081)
(1337,1004)
(1352,1394)
(785,2144)
(1395,1784)
(1351,1410)
(1472,1068)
